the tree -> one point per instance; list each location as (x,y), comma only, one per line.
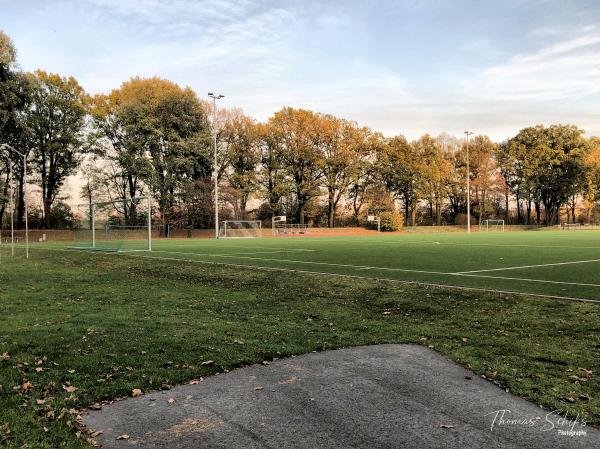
(124,164)
(163,137)
(364,178)
(591,192)
(242,156)
(343,146)
(271,174)
(484,172)
(398,165)
(433,171)
(545,165)
(295,133)
(15,97)
(55,123)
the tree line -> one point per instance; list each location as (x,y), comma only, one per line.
(153,137)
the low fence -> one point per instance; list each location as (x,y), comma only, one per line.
(52,235)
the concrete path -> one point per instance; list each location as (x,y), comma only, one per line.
(388,396)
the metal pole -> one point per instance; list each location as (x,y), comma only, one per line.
(149,225)
(216,168)
(25,204)
(216,97)
(12,231)
(467,133)
(92,209)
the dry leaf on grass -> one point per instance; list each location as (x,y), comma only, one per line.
(136,392)
(70,388)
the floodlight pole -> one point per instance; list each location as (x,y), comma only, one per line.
(467,134)
(216,97)
(10,148)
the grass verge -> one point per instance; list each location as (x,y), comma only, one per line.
(79,328)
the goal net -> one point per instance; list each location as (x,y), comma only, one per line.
(492,225)
(118,225)
(240,229)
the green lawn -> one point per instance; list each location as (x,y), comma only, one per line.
(107,323)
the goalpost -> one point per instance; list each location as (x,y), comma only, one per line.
(492,225)
(240,229)
(116,225)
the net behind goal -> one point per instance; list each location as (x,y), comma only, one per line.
(119,225)
(240,229)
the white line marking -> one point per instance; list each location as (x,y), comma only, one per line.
(529,266)
(582,284)
(233,254)
(309,262)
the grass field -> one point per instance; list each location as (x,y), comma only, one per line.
(553,263)
(78,327)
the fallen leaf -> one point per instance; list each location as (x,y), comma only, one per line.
(207,363)
(96,433)
(194,382)
(447,426)
(569,399)
(70,388)
(171,401)
(27,386)
(40,401)
(584,397)
(136,392)
(5,356)
(46,429)
(258,388)
(122,437)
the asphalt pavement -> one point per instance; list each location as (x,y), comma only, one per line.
(385,396)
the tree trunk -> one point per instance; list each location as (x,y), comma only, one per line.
(506,214)
(20,199)
(330,209)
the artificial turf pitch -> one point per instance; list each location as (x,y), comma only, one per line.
(564,264)
(80,327)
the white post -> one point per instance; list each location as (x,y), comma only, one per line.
(149,225)
(12,231)
(216,97)
(378,224)
(467,133)
(216,168)
(92,208)
(25,204)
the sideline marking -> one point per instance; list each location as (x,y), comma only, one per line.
(529,266)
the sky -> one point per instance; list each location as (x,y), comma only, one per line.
(401,67)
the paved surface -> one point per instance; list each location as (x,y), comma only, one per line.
(388,396)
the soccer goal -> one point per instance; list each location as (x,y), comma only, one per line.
(492,225)
(240,229)
(117,225)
